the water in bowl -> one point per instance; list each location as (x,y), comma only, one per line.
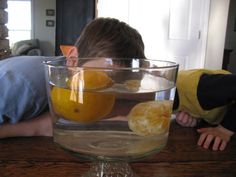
(98,124)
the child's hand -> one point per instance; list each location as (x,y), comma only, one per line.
(219,136)
(185,120)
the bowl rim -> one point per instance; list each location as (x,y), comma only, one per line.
(52,63)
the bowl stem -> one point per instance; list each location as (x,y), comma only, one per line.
(110,169)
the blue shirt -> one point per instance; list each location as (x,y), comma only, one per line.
(22,88)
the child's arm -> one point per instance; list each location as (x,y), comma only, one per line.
(219,136)
(38,126)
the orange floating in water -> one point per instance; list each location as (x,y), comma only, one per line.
(80,102)
(150,118)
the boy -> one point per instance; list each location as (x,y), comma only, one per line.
(103,37)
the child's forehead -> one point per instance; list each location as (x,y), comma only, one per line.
(100,62)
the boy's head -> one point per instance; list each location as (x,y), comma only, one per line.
(108,37)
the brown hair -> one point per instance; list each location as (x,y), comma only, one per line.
(109,37)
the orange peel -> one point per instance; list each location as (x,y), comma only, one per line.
(150,118)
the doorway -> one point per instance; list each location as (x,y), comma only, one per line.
(229,62)
(71,18)
(174,30)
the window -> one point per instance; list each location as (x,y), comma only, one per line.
(19,20)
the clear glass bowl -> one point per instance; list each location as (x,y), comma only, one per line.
(111,109)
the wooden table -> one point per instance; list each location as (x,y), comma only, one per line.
(40,157)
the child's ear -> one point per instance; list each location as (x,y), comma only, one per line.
(72,53)
(71,57)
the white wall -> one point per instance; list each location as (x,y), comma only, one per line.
(46,35)
(230,42)
(216,33)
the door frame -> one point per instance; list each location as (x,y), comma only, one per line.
(216,33)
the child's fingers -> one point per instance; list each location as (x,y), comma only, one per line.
(182,118)
(201,139)
(185,119)
(179,116)
(208,141)
(205,140)
(216,144)
(223,145)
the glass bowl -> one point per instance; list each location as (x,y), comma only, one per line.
(111,110)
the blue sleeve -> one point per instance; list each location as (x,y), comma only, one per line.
(22,88)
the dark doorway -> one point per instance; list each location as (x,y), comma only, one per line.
(71,17)
(229,60)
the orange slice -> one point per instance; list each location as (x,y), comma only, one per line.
(80,105)
(150,118)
